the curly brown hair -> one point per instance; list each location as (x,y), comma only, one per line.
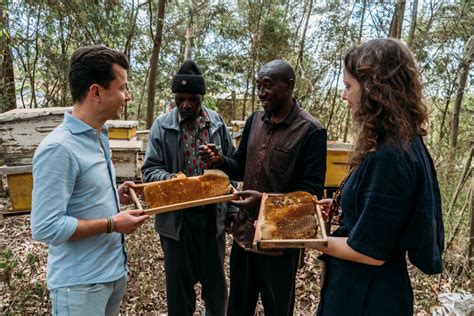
(391,108)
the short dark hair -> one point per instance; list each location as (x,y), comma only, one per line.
(280,70)
(92,65)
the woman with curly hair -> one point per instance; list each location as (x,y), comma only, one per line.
(390,201)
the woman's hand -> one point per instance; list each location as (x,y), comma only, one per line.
(325,206)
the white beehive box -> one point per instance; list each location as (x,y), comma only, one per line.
(125,158)
(22,130)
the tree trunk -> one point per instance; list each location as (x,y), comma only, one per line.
(361,26)
(444,111)
(142,94)
(7,77)
(154,64)
(234,105)
(411,32)
(471,235)
(64,90)
(299,60)
(255,55)
(244,105)
(133,21)
(347,122)
(188,51)
(464,71)
(397,20)
(334,98)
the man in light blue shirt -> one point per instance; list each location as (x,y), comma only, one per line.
(75,205)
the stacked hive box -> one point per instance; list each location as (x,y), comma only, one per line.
(337,165)
(21,131)
(125,148)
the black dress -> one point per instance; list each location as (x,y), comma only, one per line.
(391,206)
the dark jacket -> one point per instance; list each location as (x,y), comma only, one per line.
(277,158)
(164,156)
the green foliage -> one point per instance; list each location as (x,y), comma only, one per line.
(210,102)
(232,39)
(7,265)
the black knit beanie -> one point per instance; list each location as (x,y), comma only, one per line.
(189,79)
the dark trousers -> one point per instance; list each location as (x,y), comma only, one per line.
(271,276)
(197,257)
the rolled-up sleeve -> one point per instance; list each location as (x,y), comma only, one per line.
(54,174)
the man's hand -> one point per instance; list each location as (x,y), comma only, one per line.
(124,192)
(229,221)
(127,221)
(250,200)
(170,176)
(211,155)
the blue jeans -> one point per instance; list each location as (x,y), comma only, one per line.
(89,299)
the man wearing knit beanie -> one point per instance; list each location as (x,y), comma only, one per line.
(193,240)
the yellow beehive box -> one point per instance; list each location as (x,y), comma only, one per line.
(20,186)
(119,129)
(337,163)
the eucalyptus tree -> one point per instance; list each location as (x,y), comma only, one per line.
(7,76)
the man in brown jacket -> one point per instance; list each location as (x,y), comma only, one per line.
(283,149)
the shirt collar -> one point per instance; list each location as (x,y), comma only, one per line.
(202,119)
(77,126)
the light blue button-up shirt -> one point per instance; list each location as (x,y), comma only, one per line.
(73,178)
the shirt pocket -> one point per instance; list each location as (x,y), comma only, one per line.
(280,160)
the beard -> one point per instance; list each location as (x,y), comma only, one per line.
(273,107)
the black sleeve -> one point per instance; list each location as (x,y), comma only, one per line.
(310,166)
(234,166)
(384,202)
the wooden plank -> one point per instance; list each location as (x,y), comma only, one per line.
(258,243)
(15,170)
(132,145)
(142,185)
(339,146)
(321,222)
(184,205)
(135,199)
(121,124)
(15,213)
(25,114)
(261,217)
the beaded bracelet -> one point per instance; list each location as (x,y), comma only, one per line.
(112,224)
(109,224)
